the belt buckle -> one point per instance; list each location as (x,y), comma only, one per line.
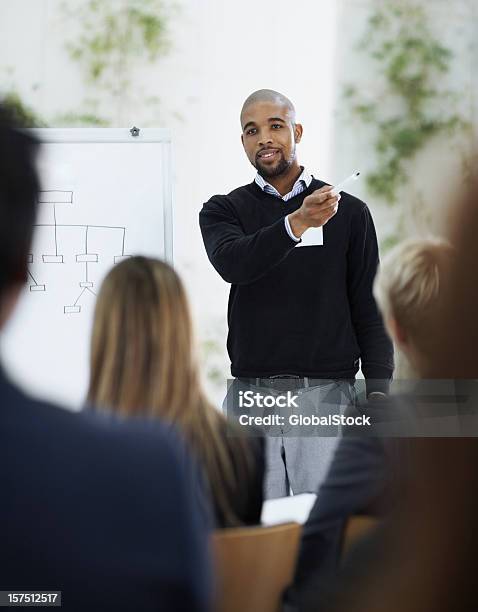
(279,376)
(285,382)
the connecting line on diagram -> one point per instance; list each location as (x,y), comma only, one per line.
(55,197)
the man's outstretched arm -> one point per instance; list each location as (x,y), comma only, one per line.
(238,257)
(242,258)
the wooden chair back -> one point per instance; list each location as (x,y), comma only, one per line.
(253,566)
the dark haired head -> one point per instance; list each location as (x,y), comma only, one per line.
(19,186)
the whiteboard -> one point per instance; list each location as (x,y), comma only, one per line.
(105,195)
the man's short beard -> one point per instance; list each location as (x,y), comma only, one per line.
(279,169)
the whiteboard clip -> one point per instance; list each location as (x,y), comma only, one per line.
(134,131)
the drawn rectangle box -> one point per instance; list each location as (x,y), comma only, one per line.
(30,258)
(119,258)
(55,197)
(86,284)
(37,287)
(87,258)
(71,309)
(52,258)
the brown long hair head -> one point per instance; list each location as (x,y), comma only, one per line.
(143,363)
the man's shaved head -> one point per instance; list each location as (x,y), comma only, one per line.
(269,95)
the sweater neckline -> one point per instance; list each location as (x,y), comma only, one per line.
(307,191)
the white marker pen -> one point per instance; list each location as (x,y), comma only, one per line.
(338,188)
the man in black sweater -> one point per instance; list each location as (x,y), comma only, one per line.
(306,314)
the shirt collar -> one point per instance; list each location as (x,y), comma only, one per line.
(304,177)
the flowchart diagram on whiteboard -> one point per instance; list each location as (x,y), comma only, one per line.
(53,201)
(105,195)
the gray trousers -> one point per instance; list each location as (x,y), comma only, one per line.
(298,455)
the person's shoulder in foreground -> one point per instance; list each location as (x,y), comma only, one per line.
(100,509)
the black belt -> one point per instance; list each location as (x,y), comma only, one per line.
(279,381)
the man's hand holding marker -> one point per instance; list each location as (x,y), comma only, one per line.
(318,207)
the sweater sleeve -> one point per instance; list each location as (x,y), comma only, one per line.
(376,349)
(241,258)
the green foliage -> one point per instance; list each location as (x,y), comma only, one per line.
(24,115)
(116,37)
(412,110)
(389,242)
(81,120)
(115,32)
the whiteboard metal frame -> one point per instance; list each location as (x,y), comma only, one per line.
(118,135)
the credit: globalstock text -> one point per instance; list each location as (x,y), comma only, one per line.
(300,419)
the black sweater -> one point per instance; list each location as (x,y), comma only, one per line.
(306,311)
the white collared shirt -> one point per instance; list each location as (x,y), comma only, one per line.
(299,186)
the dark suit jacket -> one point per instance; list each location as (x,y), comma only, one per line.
(365,477)
(103,510)
(357,483)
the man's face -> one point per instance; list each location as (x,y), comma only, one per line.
(269,137)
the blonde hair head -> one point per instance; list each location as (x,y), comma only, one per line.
(409,286)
